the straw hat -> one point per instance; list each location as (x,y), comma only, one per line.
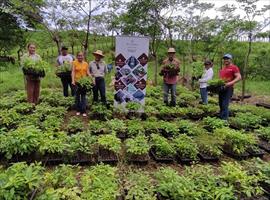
(171,50)
(98,52)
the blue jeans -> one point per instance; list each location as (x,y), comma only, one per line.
(99,88)
(224,101)
(80,101)
(169,88)
(204,96)
(66,82)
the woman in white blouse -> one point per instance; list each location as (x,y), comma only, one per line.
(207,75)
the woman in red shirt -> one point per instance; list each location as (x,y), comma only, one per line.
(230,73)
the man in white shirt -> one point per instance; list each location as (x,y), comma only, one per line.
(207,75)
(64,57)
(98,69)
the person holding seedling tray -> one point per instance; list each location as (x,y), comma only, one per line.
(170,70)
(81,82)
(230,74)
(34,69)
(63,70)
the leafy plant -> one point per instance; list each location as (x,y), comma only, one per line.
(244,184)
(264,133)
(212,123)
(100,182)
(9,118)
(197,69)
(23,140)
(20,180)
(97,127)
(100,111)
(139,186)
(245,120)
(66,67)
(162,146)
(216,82)
(61,194)
(134,127)
(189,128)
(116,125)
(185,147)
(24,108)
(169,128)
(86,83)
(110,142)
(137,145)
(39,67)
(83,142)
(75,124)
(133,106)
(52,123)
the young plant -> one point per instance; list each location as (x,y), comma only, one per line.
(169,128)
(33,67)
(97,127)
(52,123)
(189,128)
(137,145)
(162,146)
(9,118)
(100,112)
(245,121)
(100,182)
(116,125)
(133,106)
(139,186)
(212,123)
(185,147)
(110,142)
(85,83)
(134,127)
(23,108)
(75,125)
(264,133)
(83,142)
(20,180)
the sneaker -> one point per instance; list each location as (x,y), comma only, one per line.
(84,114)
(78,113)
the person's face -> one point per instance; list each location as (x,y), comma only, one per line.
(64,52)
(32,49)
(226,61)
(97,57)
(171,55)
(80,57)
(207,66)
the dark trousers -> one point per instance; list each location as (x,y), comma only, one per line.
(99,88)
(80,100)
(204,95)
(224,101)
(32,89)
(66,82)
(167,88)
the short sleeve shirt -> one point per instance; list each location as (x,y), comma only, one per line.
(80,69)
(228,73)
(98,69)
(62,59)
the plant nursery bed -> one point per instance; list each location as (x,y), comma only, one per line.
(107,156)
(23,158)
(264,145)
(83,158)
(255,198)
(256,153)
(207,158)
(138,159)
(52,159)
(265,105)
(185,161)
(157,158)
(231,154)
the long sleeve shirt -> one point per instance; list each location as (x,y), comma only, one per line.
(207,76)
(170,79)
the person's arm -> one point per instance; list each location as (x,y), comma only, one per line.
(208,76)
(237,78)
(73,74)
(57,62)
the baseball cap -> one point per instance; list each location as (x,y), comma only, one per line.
(207,62)
(64,48)
(228,56)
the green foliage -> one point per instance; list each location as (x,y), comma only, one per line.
(189,128)
(23,108)
(110,142)
(197,69)
(212,123)
(185,147)
(216,82)
(244,184)
(139,186)
(236,141)
(66,67)
(61,194)
(99,182)
(101,112)
(162,146)
(95,126)
(85,83)
(9,118)
(23,140)
(20,180)
(264,133)
(75,124)
(83,142)
(169,127)
(53,143)
(36,66)
(133,106)
(52,123)
(134,127)
(116,125)
(137,145)
(245,120)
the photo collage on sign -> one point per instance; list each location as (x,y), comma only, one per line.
(130,78)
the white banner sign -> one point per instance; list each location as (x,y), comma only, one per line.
(131,69)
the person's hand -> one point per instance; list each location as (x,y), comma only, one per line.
(73,83)
(229,84)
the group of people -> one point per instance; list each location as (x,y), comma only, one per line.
(97,70)
(230,73)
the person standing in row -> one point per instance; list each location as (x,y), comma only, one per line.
(79,70)
(230,73)
(207,76)
(98,70)
(66,80)
(32,82)
(170,71)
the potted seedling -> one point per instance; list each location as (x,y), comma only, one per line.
(264,135)
(133,110)
(100,112)
(247,121)
(118,126)
(186,148)
(215,85)
(137,149)
(162,150)
(75,125)
(109,148)
(34,68)
(168,129)
(85,84)
(134,127)
(97,127)
(212,123)
(64,70)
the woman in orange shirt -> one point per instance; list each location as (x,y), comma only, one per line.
(79,70)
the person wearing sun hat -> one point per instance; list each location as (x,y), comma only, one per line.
(207,76)
(98,69)
(170,70)
(230,73)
